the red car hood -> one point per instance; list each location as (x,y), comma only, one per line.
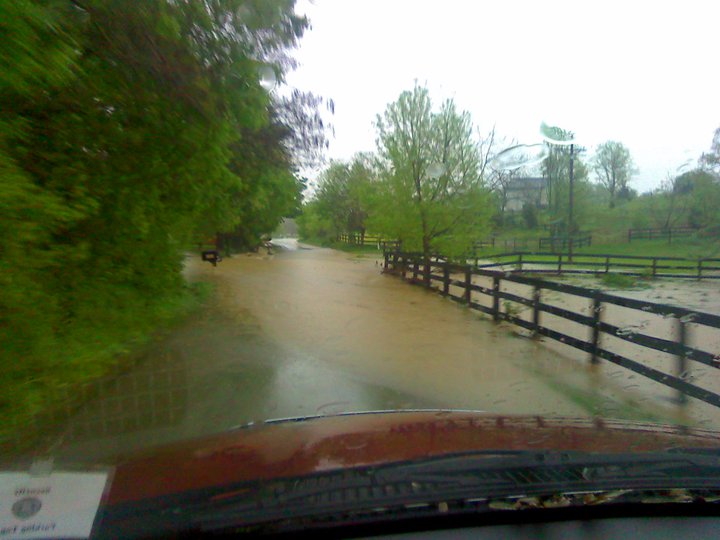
(298,447)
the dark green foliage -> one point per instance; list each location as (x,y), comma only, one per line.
(313,226)
(530,215)
(127,130)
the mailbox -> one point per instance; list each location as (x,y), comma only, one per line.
(211,256)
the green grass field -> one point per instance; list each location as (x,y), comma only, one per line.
(683,247)
(688,248)
(622,258)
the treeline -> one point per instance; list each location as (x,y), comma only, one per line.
(604,199)
(128,130)
(438,184)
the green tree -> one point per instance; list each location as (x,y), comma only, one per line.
(613,167)
(339,204)
(431,193)
(340,193)
(530,215)
(668,205)
(701,189)
(313,226)
(128,128)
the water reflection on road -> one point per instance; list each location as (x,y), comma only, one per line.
(308,331)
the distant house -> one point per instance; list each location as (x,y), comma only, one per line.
(526,190)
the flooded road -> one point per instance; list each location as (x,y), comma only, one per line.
(308,331)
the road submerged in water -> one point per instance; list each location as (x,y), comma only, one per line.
(311,331)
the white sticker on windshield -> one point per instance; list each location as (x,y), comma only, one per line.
(61,504)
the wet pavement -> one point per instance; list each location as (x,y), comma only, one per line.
(308,331)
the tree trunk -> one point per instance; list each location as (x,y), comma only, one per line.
(426,251)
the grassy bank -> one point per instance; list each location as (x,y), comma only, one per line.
(341,246)
(32,397)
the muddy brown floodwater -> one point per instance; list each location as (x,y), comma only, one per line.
(310,331)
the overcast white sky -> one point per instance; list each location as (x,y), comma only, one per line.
(643,73)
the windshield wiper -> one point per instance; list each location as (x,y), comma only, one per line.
(553,467)
(498,480)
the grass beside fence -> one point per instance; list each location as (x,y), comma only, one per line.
(621,281)
(349,248)
(341,246)
(641,266)
(690,248)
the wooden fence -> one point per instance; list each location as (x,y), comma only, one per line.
(653,234)
(442,275)
(564,243)
(553,243)
(630,265)
(358,239)
(504,243)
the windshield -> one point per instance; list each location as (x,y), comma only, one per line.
(217,214)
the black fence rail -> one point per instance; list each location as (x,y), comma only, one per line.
(504,243)
(564,243)
(654,234)
(630,265)
(442,275)
(552,243)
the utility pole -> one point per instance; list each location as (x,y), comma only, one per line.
(570,205)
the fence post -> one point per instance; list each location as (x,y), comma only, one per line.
(595,339)
(403,266)
(446,278)
(682,367)
(699,268)
(536,310)
(559,263)
(654,267)
(427,270)
(386,256)
(519,263)
(496,298)
(416,270)
(607,265)
(468,283)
